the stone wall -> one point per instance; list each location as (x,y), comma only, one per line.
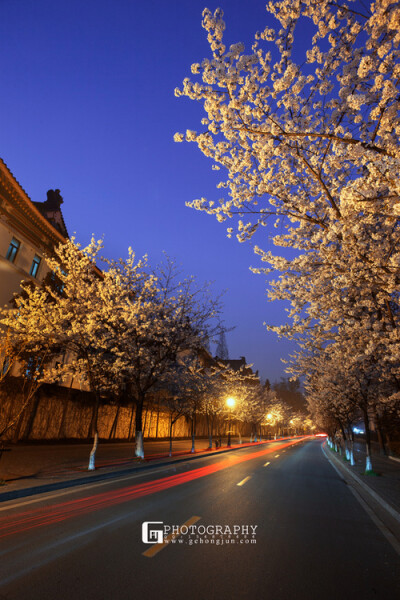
(56,412)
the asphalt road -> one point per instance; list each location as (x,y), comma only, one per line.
(312,537)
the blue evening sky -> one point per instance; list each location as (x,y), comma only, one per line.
(88,106)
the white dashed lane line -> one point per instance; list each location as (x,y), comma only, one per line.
(243,481)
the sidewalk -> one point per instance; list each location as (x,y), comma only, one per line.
(383,487)
(32,468)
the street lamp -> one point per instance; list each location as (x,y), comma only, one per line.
(230,403)
(269,418)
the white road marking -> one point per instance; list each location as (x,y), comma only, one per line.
(244,480)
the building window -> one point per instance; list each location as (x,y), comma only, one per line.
(56,282)
(13,249)
(35,265)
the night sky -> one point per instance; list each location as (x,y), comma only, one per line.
(88,106)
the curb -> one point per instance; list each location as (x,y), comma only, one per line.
(60,485)
(392,511)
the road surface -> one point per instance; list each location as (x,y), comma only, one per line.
(273,521)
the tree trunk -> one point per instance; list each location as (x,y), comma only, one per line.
(131,422)
(139,451)
(149,409)
(144,421)
(193,433)
(342,429)
(352,462)
(209,431)
(368,463)
(18,426)
(92,456)
(32,416)
(379,431)
(150,419)
(158,417)
(94,433)
(61,430)
(170,435)
(113,429)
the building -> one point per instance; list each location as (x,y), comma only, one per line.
(28,231)
(237,364)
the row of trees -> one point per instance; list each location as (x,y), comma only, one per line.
(119,332)
(125,333)
(225,397)
(311,145)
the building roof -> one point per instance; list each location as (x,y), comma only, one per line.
(25,215)
(51,210)
(238,364)
(233,363)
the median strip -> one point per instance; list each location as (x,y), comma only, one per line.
(156,548)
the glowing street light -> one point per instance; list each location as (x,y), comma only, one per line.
(230,403)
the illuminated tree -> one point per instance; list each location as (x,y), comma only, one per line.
(310,144)
(152,320)
(21,375)
(65,317)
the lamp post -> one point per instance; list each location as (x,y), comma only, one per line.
(230,403)
(269,418)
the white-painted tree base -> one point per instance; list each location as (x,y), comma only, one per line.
(92,456)
(139,450)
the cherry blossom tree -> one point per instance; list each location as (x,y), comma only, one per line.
(153,318)
(339,396)
(21,375)
(277,415)
(173,404)
(66,316)
(189,390)
(310,145)
(243,387)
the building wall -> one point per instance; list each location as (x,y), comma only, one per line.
(12,273)
(20,218)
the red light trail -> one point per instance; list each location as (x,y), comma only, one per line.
(66,510)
